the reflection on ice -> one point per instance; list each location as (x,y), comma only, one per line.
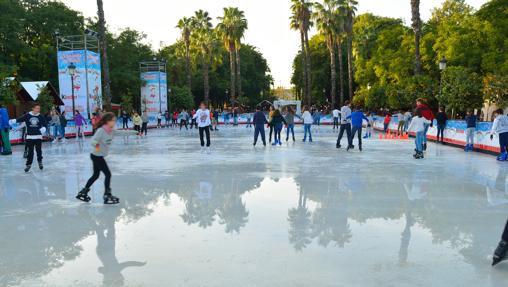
(348,219)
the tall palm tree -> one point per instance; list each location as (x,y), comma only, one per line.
(339,39)
(185,26)
(417,26)
(294,25)
(326,18)
(301,17)
(349,8)
(241,27)
(104,55)
(204,37)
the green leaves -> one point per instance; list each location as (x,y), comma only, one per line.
(461,89)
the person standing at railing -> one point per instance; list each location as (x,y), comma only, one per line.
(500,127)
(470,130)
(441,119)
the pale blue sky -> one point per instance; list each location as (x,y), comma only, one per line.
(268,21)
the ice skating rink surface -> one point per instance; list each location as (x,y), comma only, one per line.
(297,215)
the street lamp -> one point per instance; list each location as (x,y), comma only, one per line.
(71,69)
(442,64)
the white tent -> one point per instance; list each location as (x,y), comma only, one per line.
(283,103)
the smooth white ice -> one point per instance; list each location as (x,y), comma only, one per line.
(296,215)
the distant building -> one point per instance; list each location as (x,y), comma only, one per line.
(283,93)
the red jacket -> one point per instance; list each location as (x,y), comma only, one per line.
(426,112)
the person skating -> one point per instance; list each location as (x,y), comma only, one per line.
(63,125)
(4,131)
(418,126)
(402,122)
(441,119)
(345,124)
(183,119)
(167,118)
(290,122)
(502,248)
(270,115)
(259,125)
(79,122)
(202,118)
(55,124)
(357,118)
(36,126)
(159,120)
(193,119)
(386,122)
(370,122)
(307,124)
(137,121)
(277,121)
(428,115)
(144,124)
(215,120)
(470,130)
(500,127)
(101,141)
(125,120)
(336,115)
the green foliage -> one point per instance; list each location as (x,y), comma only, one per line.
(8,89)
(495,90)
(181,98)
(45,100)
(461,89)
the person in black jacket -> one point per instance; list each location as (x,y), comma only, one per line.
(441,119)
(36,126)
(259,125)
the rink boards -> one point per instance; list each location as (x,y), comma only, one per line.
(454,132)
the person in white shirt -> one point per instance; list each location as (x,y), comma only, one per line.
(345,124)
(202,117)
(307,124)
(335,115)
(500,127)
(402,122)
(407,119)
(418,126)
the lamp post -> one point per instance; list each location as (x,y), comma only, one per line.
(71,69)
(442,67)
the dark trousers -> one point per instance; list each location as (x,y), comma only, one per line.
(505,232)
(259,130)
(31,145)
(335,123)
(353,132)
(278,130)
(144,128)
(347,128)
(503,142)
(125,123)
(440,131)
(194,123)
(99,164)
(202,132)
(271,132)
(137,128)
(183,123)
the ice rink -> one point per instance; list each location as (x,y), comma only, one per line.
(297,215)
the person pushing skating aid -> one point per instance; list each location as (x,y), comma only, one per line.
(105,131)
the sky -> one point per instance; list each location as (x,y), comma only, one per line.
(268,22)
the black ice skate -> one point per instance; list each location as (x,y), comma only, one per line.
(350,147)
(27,168)
(424,146)
(109,198)
(83,195)
(41,167)
(500,253)
(418,155)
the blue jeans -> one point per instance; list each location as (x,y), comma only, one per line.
(62,131)
(278,130)
(306,129)
(420,137)
(291,127)
(425,132)
(56,131)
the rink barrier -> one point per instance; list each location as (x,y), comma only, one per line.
(454,132)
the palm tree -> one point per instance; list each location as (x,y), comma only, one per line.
(349,8)
(185,26)
(296,26)
(339,38)
(327,19)
(417,26)
(241,26)
(301,18)
(203,37)
(104,55)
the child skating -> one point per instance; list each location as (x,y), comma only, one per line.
(277,121)
(105,132)
(500,127)
(418,126)
(259,126)
(307,124)
(35,127)
(202,118)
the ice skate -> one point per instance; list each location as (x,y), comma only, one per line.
(424,146)
(83,195)
(27,168)
(466,148)
(109,198)
(208,150)
(337,145)
(500,253)
(41,167)
(502,157)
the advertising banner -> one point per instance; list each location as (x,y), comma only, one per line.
(87,78)
(154,83)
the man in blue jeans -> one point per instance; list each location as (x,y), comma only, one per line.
(357,118)
(259,125)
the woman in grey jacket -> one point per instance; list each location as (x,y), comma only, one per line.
(105,131)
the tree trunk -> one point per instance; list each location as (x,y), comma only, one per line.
(341,74)
(304,67)
(232,86)
(415,13)
(333,74)
(188,66)
(308,67)
(206,84)
(350,65)
(106,93)
(238,74)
